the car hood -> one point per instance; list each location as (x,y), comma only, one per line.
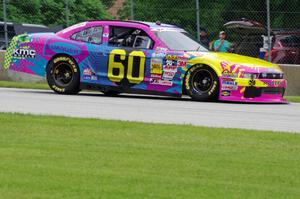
(219,59)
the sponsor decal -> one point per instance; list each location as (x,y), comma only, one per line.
(161,82)
(158,76)
(171,57)
(170,63)
(66,59)
(230,87)
(181,63)
(87,77)
(185,57)
(169,75)
(60,47)
(227,73)
(159,54)
(226,93)
(156,69)
(87,71)
(156,66)
(229,82)
(24,52)
(170,68)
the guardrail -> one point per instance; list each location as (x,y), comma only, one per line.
(292,74)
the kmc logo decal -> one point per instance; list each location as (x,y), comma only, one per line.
(24,53)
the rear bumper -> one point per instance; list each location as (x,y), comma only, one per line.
(252,90)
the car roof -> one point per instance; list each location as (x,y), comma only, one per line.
(65,33)
(152,25)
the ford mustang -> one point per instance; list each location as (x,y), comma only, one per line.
(141,57)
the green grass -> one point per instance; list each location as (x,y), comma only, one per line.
(57,157)
(29,85)
(293,98)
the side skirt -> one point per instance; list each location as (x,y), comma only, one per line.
(97,87)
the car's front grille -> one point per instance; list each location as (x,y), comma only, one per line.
(270,76)
(273,91)
(252,91)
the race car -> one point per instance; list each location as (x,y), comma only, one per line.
(140,57)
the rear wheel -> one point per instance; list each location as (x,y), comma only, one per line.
(63,75)
(201,83)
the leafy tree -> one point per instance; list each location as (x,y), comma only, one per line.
(82,10)
(108,3)
(53,12)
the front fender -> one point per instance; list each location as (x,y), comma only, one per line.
(215,65)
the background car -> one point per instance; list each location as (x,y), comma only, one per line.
(285,47)
(248,37)
(14,29)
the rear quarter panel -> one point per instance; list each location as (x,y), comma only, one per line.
(31,53)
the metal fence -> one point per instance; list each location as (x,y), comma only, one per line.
(192,15)
(275,18)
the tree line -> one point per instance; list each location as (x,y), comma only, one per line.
(213,13)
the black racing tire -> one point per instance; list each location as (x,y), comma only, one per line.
(63,75)
(111,93)
(202,83)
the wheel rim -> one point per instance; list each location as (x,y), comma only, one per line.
(202,81)
(63,74)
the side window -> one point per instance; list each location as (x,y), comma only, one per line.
(142,42)
(129,37)
(90,35)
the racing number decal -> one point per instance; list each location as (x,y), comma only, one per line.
(113,65)
(140,78)
(116,65)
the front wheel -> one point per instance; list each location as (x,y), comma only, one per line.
(63,75)
(201,83)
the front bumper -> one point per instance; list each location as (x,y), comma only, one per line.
(252,90)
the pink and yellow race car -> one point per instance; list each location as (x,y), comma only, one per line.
(140,57)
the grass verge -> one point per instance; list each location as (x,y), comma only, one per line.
(293,98)
(29,85)
(9,84)
(58,157)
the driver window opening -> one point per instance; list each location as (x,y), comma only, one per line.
(91,35)
(129,37)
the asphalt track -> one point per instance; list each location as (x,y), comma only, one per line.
(275,117)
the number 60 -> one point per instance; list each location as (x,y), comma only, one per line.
(112,64)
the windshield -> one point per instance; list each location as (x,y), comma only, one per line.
(291,41)
(176,40)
